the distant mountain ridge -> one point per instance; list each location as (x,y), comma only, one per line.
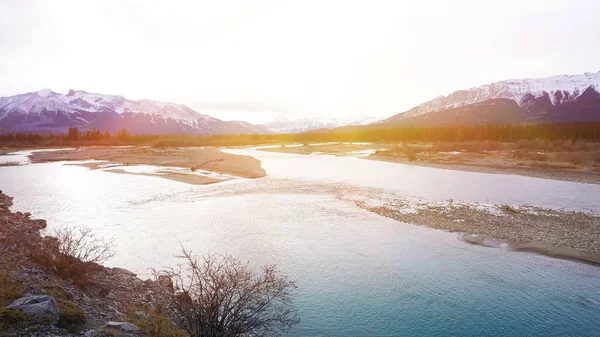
(48,110)
(551,99)
(286,125)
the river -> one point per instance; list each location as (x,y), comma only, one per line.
(358,274)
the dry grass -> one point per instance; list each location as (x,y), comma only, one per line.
(475,146)
(72,317)
(10,288)
(154,322)
(410,151)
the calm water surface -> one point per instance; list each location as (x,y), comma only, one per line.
(358,274)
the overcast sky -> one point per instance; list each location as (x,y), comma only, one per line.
(254,60)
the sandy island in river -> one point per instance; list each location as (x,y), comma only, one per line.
(529,162)
(207,159)
(569,235)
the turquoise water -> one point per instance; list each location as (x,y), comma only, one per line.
(358,274)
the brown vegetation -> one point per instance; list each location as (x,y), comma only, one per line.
(88,294)
(154,321)
(222,296)
(75,253)
(10,287)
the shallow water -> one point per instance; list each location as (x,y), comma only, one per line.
(432,184)
(358,274)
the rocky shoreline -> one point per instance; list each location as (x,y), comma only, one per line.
(86,311)
(567,235)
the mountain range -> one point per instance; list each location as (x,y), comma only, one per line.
(565,98)
(286,125)
(48,110)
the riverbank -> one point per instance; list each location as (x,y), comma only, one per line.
(562,162)
(567,235)
(191,160)
(83,309)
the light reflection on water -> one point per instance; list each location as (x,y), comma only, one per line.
(431,183)
(358,274)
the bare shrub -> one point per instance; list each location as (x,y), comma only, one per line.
(473,146)
(75,253)
(574,157)
(446,147)
(519,154)
(222,296)
(82,244)
(559,145)
(174,142)
(411,152)
(528,155)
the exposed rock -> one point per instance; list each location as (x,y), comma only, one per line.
(107,296)
(482,240)
(37,305)
(123,271)
(121,326)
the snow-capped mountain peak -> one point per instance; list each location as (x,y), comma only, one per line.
(46,109)
(284,124)
(45,92)
(560,89)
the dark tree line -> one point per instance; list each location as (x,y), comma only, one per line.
(491,132)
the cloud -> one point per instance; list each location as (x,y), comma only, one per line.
(311,57)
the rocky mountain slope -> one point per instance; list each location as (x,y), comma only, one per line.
(48,110)
(552,99)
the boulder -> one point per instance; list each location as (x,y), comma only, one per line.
(121,326)
(124,271)
(37,305)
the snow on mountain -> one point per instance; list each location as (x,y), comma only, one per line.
(285,125)
(559,89)
(46,109)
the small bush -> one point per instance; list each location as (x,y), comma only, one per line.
(174,142)
(222,296)
(155,322)
(474,146)
(9,317)
(10,288)
(528,155)
(411,152)
(75,253)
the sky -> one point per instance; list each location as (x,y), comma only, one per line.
(256,60)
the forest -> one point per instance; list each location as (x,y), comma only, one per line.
(371,133)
